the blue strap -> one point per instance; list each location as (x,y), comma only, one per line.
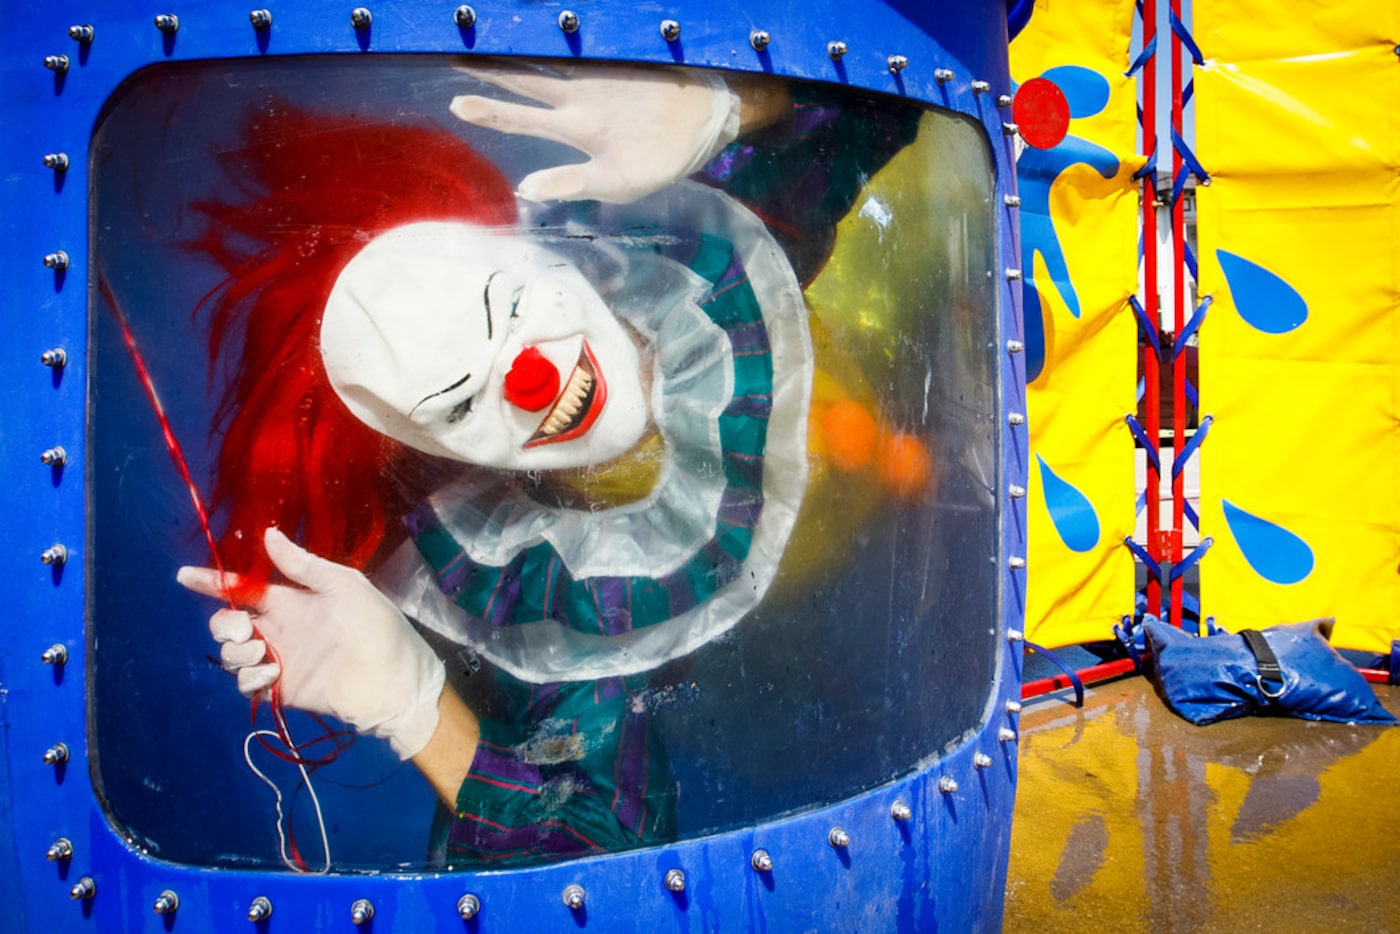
(1141,390)
(1187,92)
(1151,167)
(1136,428)
(1189,448)
(1141,504)
(1074,678)
(1191,395)
(1191,261)
(1179,183)
(1188,157)
(1192,326)
(1146,324)
(1147,52)
(1186,563)
(1184,35)
(1190,514)
(1141,554)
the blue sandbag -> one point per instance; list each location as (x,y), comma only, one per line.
(1216,677)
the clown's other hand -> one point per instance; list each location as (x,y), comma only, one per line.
(642,128)
(338,647)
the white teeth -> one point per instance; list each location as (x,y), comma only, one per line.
(569,404)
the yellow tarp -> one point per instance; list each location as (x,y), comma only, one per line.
(1077,402)
(1299,237)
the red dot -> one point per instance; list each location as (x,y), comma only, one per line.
(1041,110)
(533,382)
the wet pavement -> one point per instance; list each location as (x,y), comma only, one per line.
(1128,818)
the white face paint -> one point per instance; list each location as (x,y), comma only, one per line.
(426,322)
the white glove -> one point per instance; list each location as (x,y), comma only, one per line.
(642,128)
(344,649)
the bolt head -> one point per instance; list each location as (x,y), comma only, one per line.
(1012,201)
(982,761)
(1016,492)
(1010,129)
(947,784)
(261,19)
(468,906)
(57,260)
(54,555)
(362,911)
(760,39)
(465,18)
(56,654)
(670,30)
(838,838)
(82,33)
(1013,707)
(980,87)
(56,63)
(675,880)
(569,21)
(901,811)
(168,23)
(83,889)
(1014,346)
(361,18)
(59,850)
(761,861)
(896,63)
(836,50)
(1015,635)
(167,903)
(1003,101)
(943,75)
(55,456)
(56,754)
(1006,735)
(58,161)
(259,909)
(574,897)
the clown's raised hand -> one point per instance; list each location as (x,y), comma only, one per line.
(338,647)
(642,128)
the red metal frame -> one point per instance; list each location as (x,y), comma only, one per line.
(1152,402)
(1178,325)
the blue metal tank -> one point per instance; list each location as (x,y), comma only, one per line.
(838,745)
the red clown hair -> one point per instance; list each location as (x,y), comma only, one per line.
(314,189)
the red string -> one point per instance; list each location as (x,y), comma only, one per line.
(339,738)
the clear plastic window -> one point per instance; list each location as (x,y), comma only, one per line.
(655,406)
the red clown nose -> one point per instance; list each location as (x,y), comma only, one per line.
(533,382)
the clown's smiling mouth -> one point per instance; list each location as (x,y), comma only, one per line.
(577,407)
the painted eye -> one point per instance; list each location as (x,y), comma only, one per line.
(459,411)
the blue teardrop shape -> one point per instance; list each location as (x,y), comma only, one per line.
(1086,90)
(1070,511)
(1276,554)
(1264,300)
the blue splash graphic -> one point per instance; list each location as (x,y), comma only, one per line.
(1036,171)
(1264,300)
(1275,554)
(1070,511)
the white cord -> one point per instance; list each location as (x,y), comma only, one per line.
(281,818)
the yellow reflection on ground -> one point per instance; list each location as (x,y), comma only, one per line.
(1128,818)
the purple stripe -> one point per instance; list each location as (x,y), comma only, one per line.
(501,606)
(751,406)
(494,766)
(748,466)
(808,117)
(736,508)
(630,804)
(746,340)
(613,602)
(681,594)
(420,518)
(553,839)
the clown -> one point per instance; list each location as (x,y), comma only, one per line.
(568,430)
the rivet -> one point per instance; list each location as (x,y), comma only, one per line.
(838,838)
(943,75)
(260,909)
(1015,635)
(56,654)
(1016,563)
(670,30)
(1014,346)
(57,754)
(1003,101)
(169,24)
(83,889)
(1013,707)
(57,260)
(261,19)
(761,861)
(948,785)
(901,811)
(361,18)
(55,357)
(574,896)
(55,554)
(1006,735)
(1010,129)
(465,18)
(1012,201)
(58,64)
(896,63)
(362,911)
(1015,418)
(760,39)
(982,761)
(81,34)
(1016,492)
(568,21)
(836,50)
(675,880)
(468,906)
(60,850)
(1012,275)
(58,161)
(981,87)
(167,903)
(55,456)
